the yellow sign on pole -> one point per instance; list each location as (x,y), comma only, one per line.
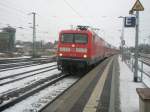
(138,6)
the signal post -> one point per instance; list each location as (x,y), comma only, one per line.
(137,7)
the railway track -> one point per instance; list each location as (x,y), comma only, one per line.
(18,86)
(11,60)
(14,97)
(145,55)
(35,94)
(17,72)
(76,98)
(9,64)
(145,60)
(21,66)
(20,76)
(10,98)
(16,64)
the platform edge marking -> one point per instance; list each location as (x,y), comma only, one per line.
(91,105)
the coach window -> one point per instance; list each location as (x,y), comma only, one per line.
(81,38)
(67,38)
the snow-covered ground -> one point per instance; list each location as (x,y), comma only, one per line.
(128,95)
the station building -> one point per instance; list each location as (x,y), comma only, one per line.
(7,39)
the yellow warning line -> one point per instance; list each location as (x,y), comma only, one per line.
(92,103)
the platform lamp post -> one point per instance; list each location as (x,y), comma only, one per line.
(122,37)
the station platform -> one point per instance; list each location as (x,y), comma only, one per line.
(109,87)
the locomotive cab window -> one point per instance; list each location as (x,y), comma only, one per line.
(74,38)
(67,38)
(81,38)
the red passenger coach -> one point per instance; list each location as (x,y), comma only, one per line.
(79,49)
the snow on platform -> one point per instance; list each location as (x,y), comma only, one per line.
(128,96)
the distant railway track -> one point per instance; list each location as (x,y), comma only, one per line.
(13,65)
(23,75)
(5,61)
(146,61)
(10,98)
(11,60)
(23,66)
(20,63)
(147,56)
(17,72)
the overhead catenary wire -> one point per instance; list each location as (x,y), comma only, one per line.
(7,13)
(24,13)
(2,3)
(19,15)
(24,29)
(75,11)
(10,8)
(19,10)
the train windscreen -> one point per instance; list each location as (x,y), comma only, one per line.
(67,38)
(80,38)
(74,38)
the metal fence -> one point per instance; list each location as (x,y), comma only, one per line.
(143,68)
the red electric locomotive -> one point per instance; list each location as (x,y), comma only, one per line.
(80,48)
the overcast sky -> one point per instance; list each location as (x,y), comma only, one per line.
(55,15)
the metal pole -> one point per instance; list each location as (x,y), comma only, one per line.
(33,34)
(132,66)
(122,38)
(136,47)
(142,71)
(123,28)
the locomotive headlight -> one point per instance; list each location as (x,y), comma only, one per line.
(82,50)
(85,56)
(73,45)
(60,54)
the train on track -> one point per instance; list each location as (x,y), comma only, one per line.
(80,48)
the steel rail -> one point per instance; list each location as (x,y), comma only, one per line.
(14,75)
(26,92)
(17,79)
